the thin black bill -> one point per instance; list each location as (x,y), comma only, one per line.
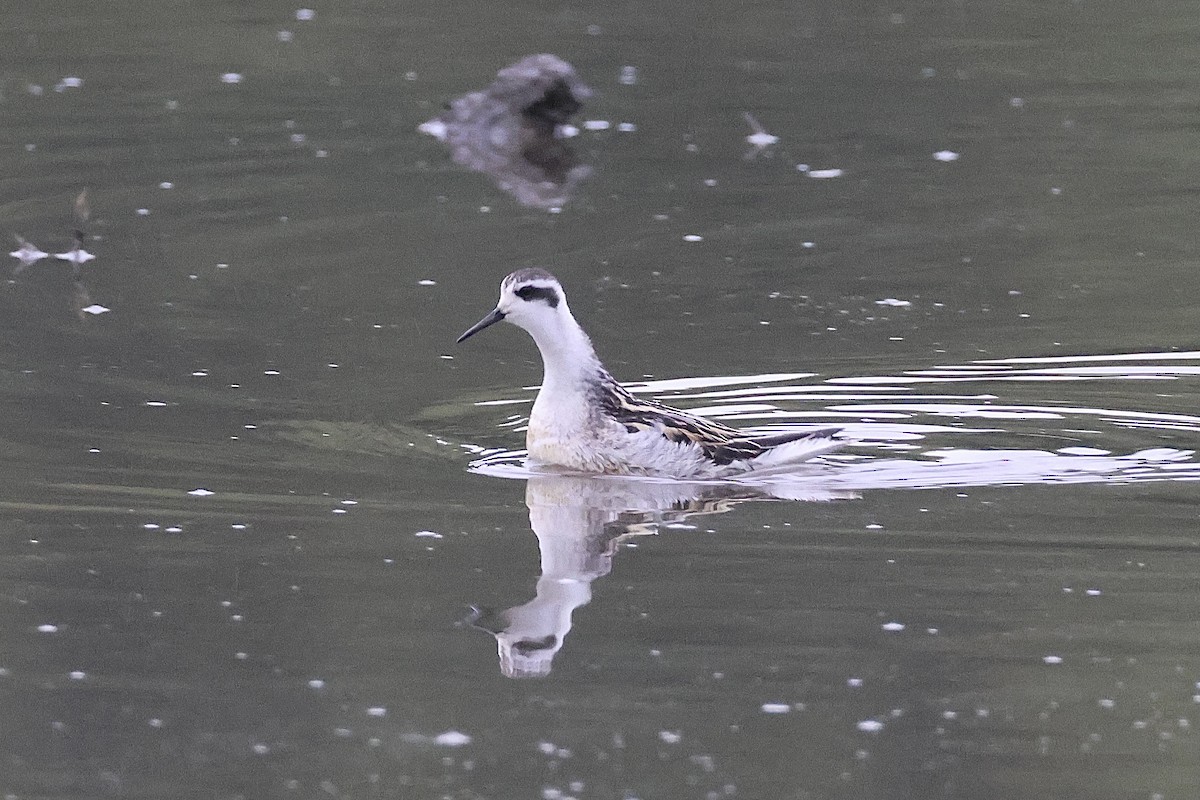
(490,319)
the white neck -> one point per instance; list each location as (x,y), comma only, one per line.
(567,354)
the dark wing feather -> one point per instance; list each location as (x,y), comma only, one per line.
(719,443)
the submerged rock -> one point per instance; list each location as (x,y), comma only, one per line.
(514,130)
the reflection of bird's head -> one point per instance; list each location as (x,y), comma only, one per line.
(530,635)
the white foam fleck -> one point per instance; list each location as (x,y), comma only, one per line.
(316,683)
(776,708)
(47,628)
(692,237)
(428,535)
(596,124)
(945,155)
(95,309)
(1052,659)
(821,174)
(77,675)
(869,726)
(201,493)
(892,301)
(893,626)
(305,14)
(377,711)
(452,739)
(670,737)
(231,77)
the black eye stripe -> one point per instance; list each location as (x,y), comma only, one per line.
(545,293)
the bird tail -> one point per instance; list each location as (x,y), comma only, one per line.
(789,449)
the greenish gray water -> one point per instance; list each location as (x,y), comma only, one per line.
(994,597)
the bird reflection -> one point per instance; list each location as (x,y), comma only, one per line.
(580,523)
(514,130)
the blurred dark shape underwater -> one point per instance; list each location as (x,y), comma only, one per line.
(514,130)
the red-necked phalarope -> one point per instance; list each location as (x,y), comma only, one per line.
(584,420)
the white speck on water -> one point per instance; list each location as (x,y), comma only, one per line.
(201,493)
(949,715)
(822,174)
(869,726)
(241,655)
(377,711)
(435,128)
(854,683)
(692,237)
(155,404)
(231,77)
(143,212)
(566,132)
(95,309)
(239,526)
(166,185)
(174,529)
(452,739)
(155,722)
(426,282)
(670,737)
(1017,102)
(35,89)
(94,450)
(1052,659)
(1107,702)
(428,535)
(77,675)
(596,124)
(710,182)
(349,502)
(1055,190)
(285,36)
(928,72)
(776,708)
(874,526)
(69,82)
(271,372)
(628,76)
(47,628)
(316,683)
(343,733)
(891,301)
(260,749)
(1093,592)
(945,155)
(298,138)
(626,127)
(339,511)
(305,14)
(893,626)
(932,631)
(150,526)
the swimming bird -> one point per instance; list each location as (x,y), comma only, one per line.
(585,421)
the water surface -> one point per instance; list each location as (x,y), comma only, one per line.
(243,551)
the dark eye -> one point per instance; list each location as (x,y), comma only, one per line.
(544,293)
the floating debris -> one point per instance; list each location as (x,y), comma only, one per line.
(945,155)
(95,309)
(891,301)
(27,253)
(231,78)
(823,174)
(513,131)
(759,140)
